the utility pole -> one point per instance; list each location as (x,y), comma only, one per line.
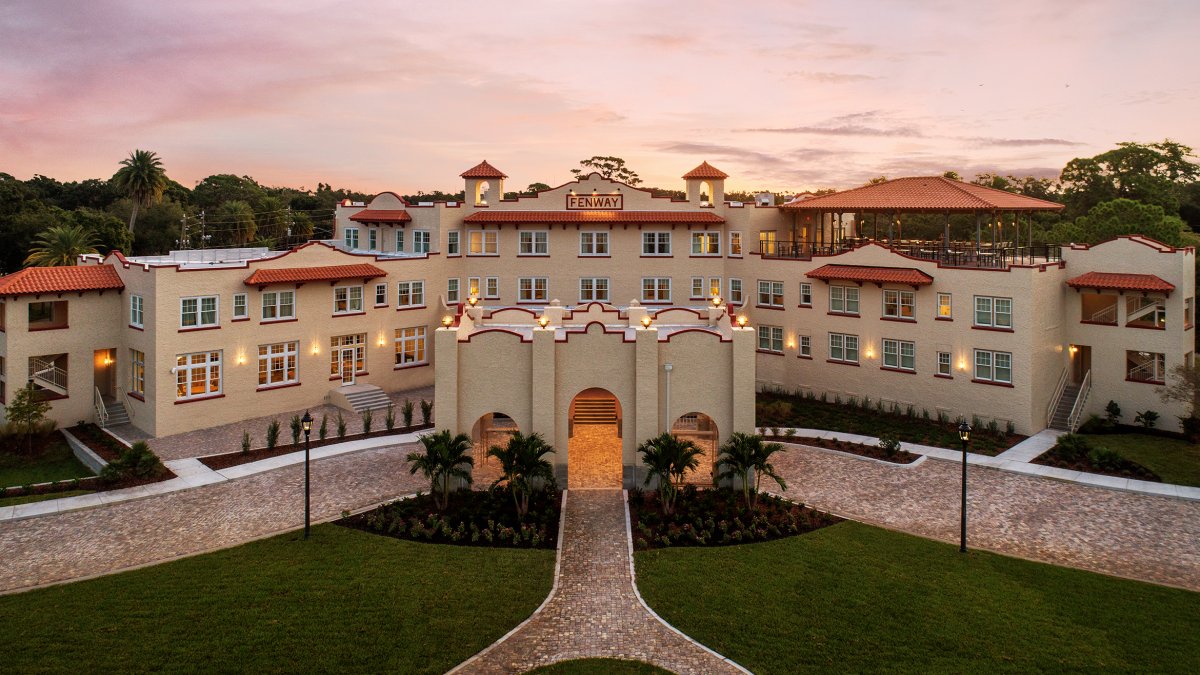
(183,242)
(203,236)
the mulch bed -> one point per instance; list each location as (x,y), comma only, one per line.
(861,449)
(472,518)
(1120,468)
(109,449)
(228,459)
(718,517)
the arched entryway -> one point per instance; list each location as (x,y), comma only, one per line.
(594,448)
(494,428)
(701,430)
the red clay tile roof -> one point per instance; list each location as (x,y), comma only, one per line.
(923,193)
(38,280)
(705,170)
(483,170)
(593,217)
(876,275)
(292,275)
(1121,282)
(381,216)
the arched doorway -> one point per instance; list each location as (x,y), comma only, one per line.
(594,448)
(494,428)
(701,430)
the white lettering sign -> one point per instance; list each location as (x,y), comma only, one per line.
(595,202)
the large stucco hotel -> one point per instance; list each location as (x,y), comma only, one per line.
(594,300)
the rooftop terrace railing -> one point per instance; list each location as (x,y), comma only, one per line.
(956,254)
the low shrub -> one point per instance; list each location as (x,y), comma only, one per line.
(890,445)
(406,412)
(1073,447)
(389,421)
(341,425)
(426,411)
(297,427)
(136,461)
(367,418)
(1146,418)
(323,430)
(718,517)
(245,442)
(1112,412)
(272,434)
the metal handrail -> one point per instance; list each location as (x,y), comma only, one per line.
(955,254)
(1080,399)
(101,409)
(1054,400)
(1099,317)
(124,397)
(1147,366)
(42,367)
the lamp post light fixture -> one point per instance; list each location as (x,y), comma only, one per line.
(447,321)
(716,301)
(543,320)
(473,300)
(964,435)
(646,321)
(306,423)
(742,321)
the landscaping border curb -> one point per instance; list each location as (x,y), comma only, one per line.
(83,453)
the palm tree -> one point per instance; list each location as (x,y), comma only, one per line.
(443,459)
(522,463)
(669,459)
(142,179)
(744,454)
(61,246)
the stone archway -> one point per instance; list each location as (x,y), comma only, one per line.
(594,446)
(701,430)
(494,428)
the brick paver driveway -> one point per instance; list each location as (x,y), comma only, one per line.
(1131,535)
(105,539)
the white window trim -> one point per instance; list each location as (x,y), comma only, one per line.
(773,289)
(844,339)
(774,336)
(200,311)
(607,289)
(949,364)
(712,236)
(491,288)
(533,243)
(899,354)
(937,309)
(346,238)
(845,292)
(739,297)
(805,345)
(992,312)
(483,243)
(456,294)
(207,367)
(349,300)
(384,301)
(656,235)
(419,246)
(658,287)
(279,315)
(418,339)
(372,239)
(413,288)
(595,236)
(245,306)
(290,349)
(805,289)
(992,353)
(532,297)
(453,243)
(735,235)
(399,240)
(900,304)
(137,385)
(137,311)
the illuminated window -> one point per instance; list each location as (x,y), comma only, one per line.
(410,294)
(706,243)
(945,307)
(197,375)
(898,304)
(593,289)
(277,364)
(347,299)
(410,346)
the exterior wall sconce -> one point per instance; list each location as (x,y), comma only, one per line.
(1072,349)
(646,321)
(108,360)
(241,359)
(543,321)
(870,353)
(447,321)
(316,349)
(742,321)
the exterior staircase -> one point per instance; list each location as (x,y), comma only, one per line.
(595,411)
(360,397)
(1061,419)
(117,414)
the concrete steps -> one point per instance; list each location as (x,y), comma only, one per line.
(1062,412)
(360,397)
(117,414)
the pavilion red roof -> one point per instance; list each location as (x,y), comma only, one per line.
(705,170)
(38,280)
(877,275)
(923,193)
(381,216)
(1121,282)
(295,275)
(697,217)
(483,170)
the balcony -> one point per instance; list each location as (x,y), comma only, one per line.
(957,254)
(48,374)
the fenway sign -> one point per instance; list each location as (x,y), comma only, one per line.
(595,202)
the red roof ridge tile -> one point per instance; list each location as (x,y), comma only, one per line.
(705,170)
(381,216)
(483,170)
(38,280)
(874,274)
(284,275)
(928,193)
(1121,281)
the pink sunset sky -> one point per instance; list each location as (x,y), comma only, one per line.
(404,96)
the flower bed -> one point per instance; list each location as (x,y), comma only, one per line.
(718,517)
(473,518)
(228,459)
(861,449)
(1075,452)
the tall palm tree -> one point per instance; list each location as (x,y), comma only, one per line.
(444,458)
(61,246)
(521,462)
(669,459)
(744,454)
(142,179)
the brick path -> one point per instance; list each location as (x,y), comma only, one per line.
(594,612)
(594,457)
(1110,531)
(106,539)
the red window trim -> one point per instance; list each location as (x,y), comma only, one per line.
(36,330)
(898,370)
(198,329)
(855,316)
(776,308)
(993,329)
(407,366)
(134,394)
(141,328)
(593,255)
(244,318)
(1157,383)
(338,316)
(801,356)
(768,351)
(843,363)
(1100,323)
(943,318)
(198,398)
(407,308)
(271,387)
(944,377)
(994,384)
(897,319)
(268,322)
(1146,327)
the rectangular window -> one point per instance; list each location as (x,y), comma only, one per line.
(278,305)
(993,312)
(656,289)
(410,346)
(452,243)
(945,308)
(380,295)
(473,287)
(356,342)
(899,354)
(399,241)
(241,307)
(943,364)
(770,293)
(532,289)
(1145,312)
(277,364)
(656,243)
(770,339)
(766,242)
(593,289)
(805,346)
(698,288)
(735,291)
(706,243)
(410,294)
(372,239)
(137,372)
(197,375)
(491,288)
(533,243)
(452,290)
(482,242)
(843,348)
(198,312)
(350,237)
(805,294)
(899,304)
(1146,367)
(993,366)
(421,241)
(735,244)
(843,299)
(593,243)
(347,299)
(137,307)
(714,287)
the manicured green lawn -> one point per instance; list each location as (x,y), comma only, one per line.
(1174,461)
(344,601)
(56,462)
(29,499)
(854,598)
(599,667)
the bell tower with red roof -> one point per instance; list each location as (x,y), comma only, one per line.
(706,180)
(484,182)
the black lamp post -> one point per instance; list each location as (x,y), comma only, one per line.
(306,421)
(964,435)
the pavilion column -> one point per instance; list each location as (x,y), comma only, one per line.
(978,233)
(946,234)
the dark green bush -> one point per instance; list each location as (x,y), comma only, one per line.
(134,462)
(1073,448)
(272,434)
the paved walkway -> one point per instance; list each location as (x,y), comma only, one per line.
(1153,538)
(594,609)
(1032,447)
